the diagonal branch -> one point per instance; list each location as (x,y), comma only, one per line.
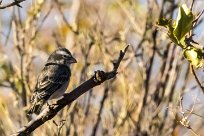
(15,3)
(47,114)
(196,78)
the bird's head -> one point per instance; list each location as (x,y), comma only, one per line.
(61,56)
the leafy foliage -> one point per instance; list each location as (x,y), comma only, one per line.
(178,32)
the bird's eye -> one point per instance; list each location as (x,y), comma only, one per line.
(64,56)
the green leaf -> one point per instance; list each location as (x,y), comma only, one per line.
(177,32)
(163,22)
(184,23)
(167,24)
(194,56)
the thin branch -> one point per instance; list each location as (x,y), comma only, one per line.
(4,85)
(40,25)
(194,132)
(15,3)
(95,128)
(130,18)
(197,80)
(59,126)
(64,18)
(10,29)
(192,3)
(193,113)
(195,21)
(47,114)
(185,120)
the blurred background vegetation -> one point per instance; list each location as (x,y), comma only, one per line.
(152,93)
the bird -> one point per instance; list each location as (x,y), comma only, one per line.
(53,80)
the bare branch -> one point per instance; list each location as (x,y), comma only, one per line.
(15,3)
(183,119)
(192,3)
(197,80)
(59,126)
(195,21)
(47,114)
(63,17)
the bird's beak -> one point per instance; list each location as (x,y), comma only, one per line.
(73,60)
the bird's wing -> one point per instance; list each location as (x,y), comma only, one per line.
(50,80)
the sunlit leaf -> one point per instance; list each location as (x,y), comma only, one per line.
(194,56)
(167,24)
(178,30)
(184,22)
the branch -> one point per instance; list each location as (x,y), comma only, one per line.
(192,3)
(59,126)
(95,128)
(15,3)
(47,114)
(196,78)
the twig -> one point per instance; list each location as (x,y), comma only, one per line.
(197,80)
(130,17)
(10,29)
(15,3)
(95,128)
(47,114)
(59,126)
(193,113)
(185,120)
(4,85)
(193,131)
(40,25)
(192,3)
(197,18)
(64,18)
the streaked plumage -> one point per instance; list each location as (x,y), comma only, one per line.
(53,79)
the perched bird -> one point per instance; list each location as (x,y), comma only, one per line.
(53,79)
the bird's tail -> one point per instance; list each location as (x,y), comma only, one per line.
(35,107)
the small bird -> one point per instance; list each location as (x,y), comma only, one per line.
(53,79)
